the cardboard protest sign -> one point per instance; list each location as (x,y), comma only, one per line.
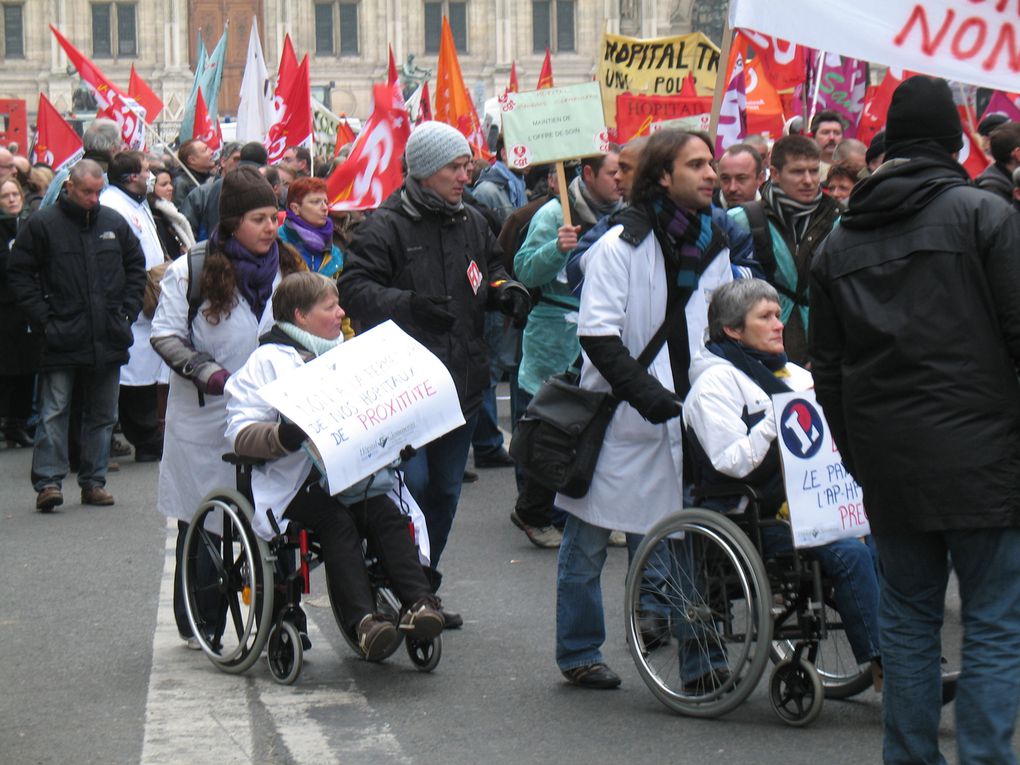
(365,400)
(968,40)
(655,66)
(635,113)
(553,124)
(825,501)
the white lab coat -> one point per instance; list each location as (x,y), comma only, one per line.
(195,437)
(275,483)
(639,475)
(144,366)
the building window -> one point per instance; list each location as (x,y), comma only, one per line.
(326,28)
(552,26)
(113,30)
(456,12)
(14,37)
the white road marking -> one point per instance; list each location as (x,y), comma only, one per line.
(197,714)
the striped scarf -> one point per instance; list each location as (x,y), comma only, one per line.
(796,215)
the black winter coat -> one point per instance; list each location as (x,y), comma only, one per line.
(79,276)
(20,347)
(396,253)
(915,342)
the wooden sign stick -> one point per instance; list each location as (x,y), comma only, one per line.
(561,181)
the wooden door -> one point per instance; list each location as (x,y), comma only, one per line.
(209,17)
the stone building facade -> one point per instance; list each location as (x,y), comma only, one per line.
(345,39)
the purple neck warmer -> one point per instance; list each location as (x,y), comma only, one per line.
(253,274)
(316,239)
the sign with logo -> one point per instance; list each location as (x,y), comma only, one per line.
(825,501)
(553,124)
(364,401)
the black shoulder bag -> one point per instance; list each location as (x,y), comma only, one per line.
(558,440)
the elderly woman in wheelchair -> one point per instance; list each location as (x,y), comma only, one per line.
(287,487)
(713,574)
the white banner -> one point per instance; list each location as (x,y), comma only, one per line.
(366,399)
(975,41)
(825,501)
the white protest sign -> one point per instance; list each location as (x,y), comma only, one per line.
(825,501)
(366,399)
(553,124)
(976,41)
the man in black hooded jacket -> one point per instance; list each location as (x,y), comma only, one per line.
(915,342)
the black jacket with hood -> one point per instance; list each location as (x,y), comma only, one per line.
(400,251)
(915,342)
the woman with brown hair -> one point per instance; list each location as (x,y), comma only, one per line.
(207,336)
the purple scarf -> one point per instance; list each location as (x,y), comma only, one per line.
(253,274)
(316,239)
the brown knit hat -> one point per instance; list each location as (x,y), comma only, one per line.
(244,189)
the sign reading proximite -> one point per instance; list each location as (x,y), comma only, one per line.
(553,124)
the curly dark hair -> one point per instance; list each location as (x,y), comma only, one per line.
(218,285)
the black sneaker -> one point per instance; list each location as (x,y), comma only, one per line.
(497,459)
(596,675)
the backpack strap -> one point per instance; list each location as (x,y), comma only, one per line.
(762,237)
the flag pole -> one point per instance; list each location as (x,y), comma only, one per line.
(720,87)
(820,67)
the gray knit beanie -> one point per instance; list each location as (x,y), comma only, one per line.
(433,145)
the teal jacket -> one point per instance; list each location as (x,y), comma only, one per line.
(329,265)
(550,344)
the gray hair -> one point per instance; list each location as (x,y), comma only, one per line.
(102,135)
(731,303)
(85,167)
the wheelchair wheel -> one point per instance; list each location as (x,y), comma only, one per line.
(386,603)
(425,654)
(284,653)
(795,692)
(227,579)
(697,569)
(841,676)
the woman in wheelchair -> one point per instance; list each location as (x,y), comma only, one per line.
(308,323)
(732,432)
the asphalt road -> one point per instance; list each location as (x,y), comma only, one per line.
(92,670)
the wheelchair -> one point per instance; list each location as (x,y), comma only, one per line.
(729,610)
(250,601)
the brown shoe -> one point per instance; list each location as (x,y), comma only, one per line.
(96,495)
(48,499)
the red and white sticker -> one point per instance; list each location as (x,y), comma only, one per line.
(520,155)
(474,275)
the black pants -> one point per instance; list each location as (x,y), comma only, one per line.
(139,418)
(16,396)
(340,530)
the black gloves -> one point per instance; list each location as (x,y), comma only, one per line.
(514,301)
(630,382)
(291,436)
(430,312)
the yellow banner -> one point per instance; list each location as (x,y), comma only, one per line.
(654,66)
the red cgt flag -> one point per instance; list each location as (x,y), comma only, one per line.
(344,135)
(295,127)
(139,90)
(545,78)
(205,131)
(513,87)
(876,106)
(392,76)
(783,63)
(373,170)
(56,144)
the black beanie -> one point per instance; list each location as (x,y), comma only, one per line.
(922,109)
(244,189)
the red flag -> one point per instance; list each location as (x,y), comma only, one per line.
(284,76)
(545,78)
(139,90)
(295,126)
(876,106)
(111,99)
(56,143)
(973,159)
(424,107)
(689,89)
(513,87)
(392,77)
(205,131)
(784,63)
(372,172)
(344,135)
(764,107)
(453,102)
(1003,103)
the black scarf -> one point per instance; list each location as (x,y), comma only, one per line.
(758,365)
(796,215)
(418,200)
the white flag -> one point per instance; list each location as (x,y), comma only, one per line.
(255,111)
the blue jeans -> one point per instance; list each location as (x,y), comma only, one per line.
(851,566)
(434,476)
(913,570)
(100,387)
(580,623)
